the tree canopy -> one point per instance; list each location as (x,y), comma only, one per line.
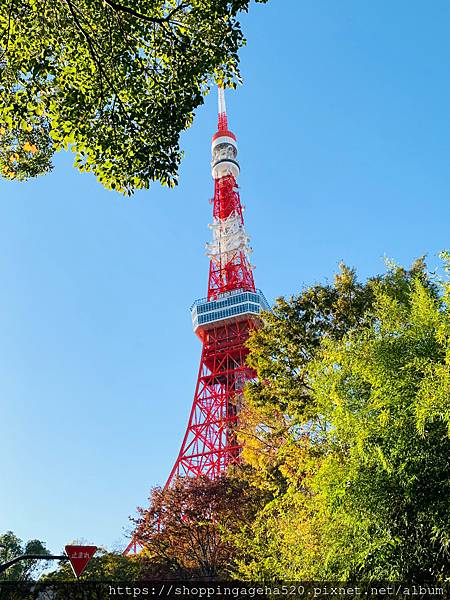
(11,547)
(114,81)
(348,427)
(188,528)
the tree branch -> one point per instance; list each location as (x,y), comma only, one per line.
(8,29)
(90,44)
(97,61)
(160,20)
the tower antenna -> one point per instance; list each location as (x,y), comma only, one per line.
(223,120)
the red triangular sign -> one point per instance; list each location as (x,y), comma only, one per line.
(79,557)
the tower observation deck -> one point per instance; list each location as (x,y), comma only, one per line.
(229,307)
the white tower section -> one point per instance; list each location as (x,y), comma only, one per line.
(229,236)
(224,148)
(229,239)
(221,101)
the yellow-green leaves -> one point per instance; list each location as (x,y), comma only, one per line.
(118,80)
(354,392)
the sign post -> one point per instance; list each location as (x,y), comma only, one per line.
(79,557)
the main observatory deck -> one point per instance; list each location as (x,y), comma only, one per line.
(230,306)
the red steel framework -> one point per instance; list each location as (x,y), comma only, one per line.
(223,322)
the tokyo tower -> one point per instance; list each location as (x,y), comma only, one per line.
(222,321)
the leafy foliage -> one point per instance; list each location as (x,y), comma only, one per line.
(11,547)
(357,379)
(281,353)
(187,528)
(116,82)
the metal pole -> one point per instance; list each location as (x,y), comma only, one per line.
(12,562)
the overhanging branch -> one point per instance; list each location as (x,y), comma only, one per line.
(160,20)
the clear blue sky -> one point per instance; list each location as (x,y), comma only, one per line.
(343,133)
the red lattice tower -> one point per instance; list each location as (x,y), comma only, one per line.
(222,321)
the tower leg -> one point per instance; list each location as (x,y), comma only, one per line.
(210,442)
